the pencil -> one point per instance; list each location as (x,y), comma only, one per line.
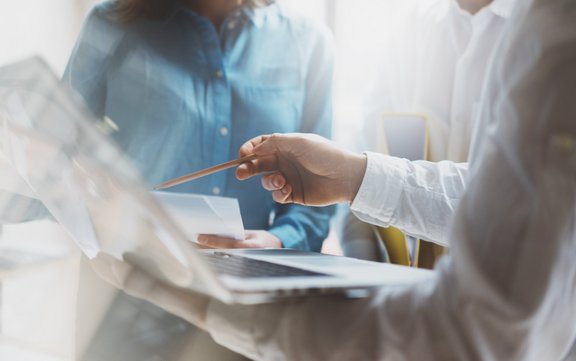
(205,172)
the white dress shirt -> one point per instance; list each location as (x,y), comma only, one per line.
(440,74)
(507,289)
(436,66)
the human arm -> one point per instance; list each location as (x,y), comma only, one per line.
(418,197)
(407,198)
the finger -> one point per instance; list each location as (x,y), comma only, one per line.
(268,144)
(283,195)
(257,166)
(273,181)
(248,147)
(201,246)
(202,242)
(214,241)
(271,144)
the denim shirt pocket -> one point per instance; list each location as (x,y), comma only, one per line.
(273,103)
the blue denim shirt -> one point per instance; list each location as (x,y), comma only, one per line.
(184,97)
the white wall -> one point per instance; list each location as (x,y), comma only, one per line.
(44,27)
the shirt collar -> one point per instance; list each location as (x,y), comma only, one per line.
(259,15)
(503,8)
(256,15)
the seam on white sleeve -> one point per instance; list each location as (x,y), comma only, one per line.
(381,188)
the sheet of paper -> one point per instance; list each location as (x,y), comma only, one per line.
(199,214)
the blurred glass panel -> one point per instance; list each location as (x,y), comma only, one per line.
(83,179)
(48,28)
(38,283)
(134,330)
(60,159)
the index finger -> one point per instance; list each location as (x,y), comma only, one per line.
(248,147)
(257,166)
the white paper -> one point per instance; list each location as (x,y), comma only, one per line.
(199,214)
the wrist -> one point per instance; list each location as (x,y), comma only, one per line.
(357,169)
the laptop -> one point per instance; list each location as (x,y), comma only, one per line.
(65,156)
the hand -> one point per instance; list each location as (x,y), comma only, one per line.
(303,168)
(253,239)
(180,302)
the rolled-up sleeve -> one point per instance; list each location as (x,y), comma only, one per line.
(418,197)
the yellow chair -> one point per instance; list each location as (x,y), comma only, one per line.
(395,243)
(405,135)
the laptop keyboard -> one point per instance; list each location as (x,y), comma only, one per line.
(252,268)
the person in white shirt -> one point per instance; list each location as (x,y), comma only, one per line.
(513,304)
(437,67)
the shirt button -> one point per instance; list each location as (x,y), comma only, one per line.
(216,190)
(232,24)
(223,131)
(218,74)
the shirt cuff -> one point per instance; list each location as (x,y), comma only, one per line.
(231,326)
(288,235)
(381,189)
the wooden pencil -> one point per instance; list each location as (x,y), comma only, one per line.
(205,172)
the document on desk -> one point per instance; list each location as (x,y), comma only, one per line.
(199,214)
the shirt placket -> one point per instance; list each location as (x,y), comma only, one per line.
(219,105)
(464,99)
(459,113)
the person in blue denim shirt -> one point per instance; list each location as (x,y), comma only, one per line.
(184,84)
